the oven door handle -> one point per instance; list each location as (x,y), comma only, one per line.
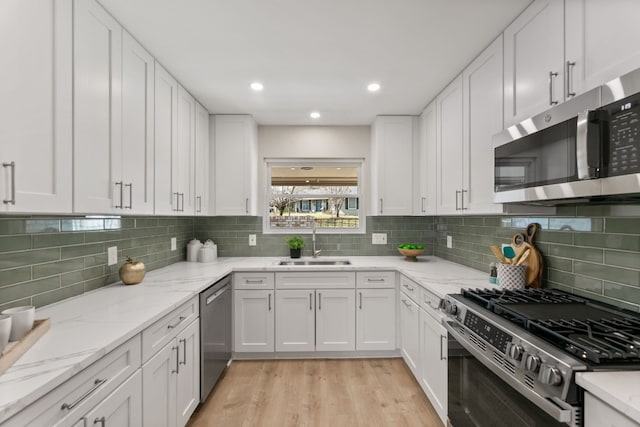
(563,414)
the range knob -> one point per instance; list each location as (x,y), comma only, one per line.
(450,308)
(532,363)
(516,351)
(550,375)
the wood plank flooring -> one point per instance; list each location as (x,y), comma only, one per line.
(336,393)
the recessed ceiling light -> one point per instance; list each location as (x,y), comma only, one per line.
(314,115)
(373,87)
(293,169)
(257,86)
(307,181)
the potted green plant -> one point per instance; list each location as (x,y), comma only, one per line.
(295,246)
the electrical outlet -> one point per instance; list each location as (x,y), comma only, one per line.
(252,239)
(379,238)
(450,242)
(174,244)
(338,247)
(112,255)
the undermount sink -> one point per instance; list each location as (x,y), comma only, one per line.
(316,262)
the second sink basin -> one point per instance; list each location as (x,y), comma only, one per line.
(316,262)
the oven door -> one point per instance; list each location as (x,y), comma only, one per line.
(477,397)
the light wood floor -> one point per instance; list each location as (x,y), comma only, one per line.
(332,393)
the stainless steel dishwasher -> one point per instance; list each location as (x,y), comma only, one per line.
(215,334)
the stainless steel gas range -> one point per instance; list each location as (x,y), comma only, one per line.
(513,355)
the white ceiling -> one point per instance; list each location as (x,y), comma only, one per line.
(314,55)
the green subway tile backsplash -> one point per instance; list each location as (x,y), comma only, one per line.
(44,260)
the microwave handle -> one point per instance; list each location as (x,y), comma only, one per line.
(587,146)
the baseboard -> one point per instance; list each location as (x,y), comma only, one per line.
(378,354)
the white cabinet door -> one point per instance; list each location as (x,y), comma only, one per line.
(36,107)
(137,127)
(254,321)
(433,363)
(166,129)
(122,408)
(601,42)
(188,382)
(598,413)
(159,377)
(236,165)
(184,154)
(376,319)
(533,61)
(335,320)
(409,333)
(425,203)
(97,106)
(392,165)
(202,161)
(449,114)
(295,320)
(482,118)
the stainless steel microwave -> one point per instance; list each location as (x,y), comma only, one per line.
(587,148)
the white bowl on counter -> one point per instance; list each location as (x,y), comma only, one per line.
(22,319)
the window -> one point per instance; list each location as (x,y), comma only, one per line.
(303,193)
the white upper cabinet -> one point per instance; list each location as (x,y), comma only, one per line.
(601,42)
(392,143)
(166,136)
(534,61)
(36,108)
(137,127)
(236,163)
(202,161)
(482,118)
(97,184)
(425,202)
(450,148)
(183,155)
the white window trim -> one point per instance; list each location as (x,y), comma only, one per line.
(292,162)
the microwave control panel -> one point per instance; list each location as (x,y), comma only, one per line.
(624,136)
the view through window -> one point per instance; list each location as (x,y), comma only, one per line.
(327,194)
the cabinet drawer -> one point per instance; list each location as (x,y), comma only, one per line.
(430,303)
(253,280)
(164,330)
(376,279)
(83,391)
(316,280)
(409,287)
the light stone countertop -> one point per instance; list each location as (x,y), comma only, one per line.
(86,327)
(621,390)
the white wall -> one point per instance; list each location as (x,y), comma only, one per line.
(314,142)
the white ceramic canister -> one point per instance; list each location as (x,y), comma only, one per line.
(193,249)
(208,252)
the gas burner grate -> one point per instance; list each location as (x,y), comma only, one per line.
(488,298)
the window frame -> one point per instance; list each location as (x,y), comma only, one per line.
(357,163)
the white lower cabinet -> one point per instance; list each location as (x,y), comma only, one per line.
(598,413)
(335,320)
(433,363)
(122,408)
(171,380)
(410,333)
(375,319)
(254,320)
(295,320)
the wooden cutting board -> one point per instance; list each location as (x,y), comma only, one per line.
(16,349)
(533,263)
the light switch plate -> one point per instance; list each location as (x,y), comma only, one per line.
(112,255)
(379,238)
(450,242)
(174,245)
(252,239)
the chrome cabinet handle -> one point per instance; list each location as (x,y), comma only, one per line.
(375,280)
(179,321)
(424,199)
(102,421)
(442,347)
(457,192)
(182,197)
(381,206)
(12,200)
(97,384)
(130,185)
(119,183)
(177,209)
(319,301)
(570,92)
(409,288)
(255,282)
(199,199)
(269,302)
(552,75)
(184,351)
(310,300)
(404,301)
(177,370)
(360,301)
(462,197)
(246,205)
